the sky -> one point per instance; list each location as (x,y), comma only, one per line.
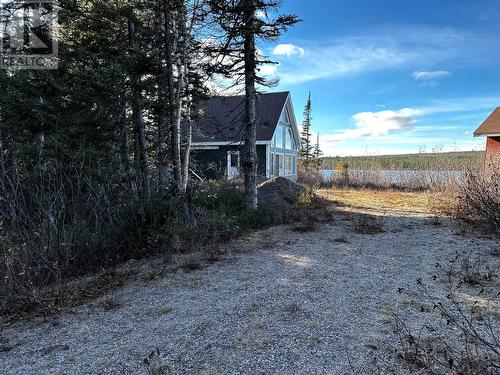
(391,76)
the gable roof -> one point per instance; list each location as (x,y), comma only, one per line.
(221,118)
(491,125)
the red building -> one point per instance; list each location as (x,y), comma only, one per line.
(490,129)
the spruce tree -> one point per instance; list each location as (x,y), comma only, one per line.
(306,151)
(317,153)
(238,59)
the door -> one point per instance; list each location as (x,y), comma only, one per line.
(233,164)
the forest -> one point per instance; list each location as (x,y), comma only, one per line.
(95,155)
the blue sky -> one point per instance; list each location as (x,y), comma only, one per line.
(392,76)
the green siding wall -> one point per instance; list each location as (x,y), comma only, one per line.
(261,155)
(212,164)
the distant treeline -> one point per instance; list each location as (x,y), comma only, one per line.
(450,161)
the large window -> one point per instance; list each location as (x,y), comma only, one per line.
(285,116)
(278,137)
(276,165)
(288,139)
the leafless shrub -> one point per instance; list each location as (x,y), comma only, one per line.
(434,221)
(367,224)
(479,199)
(406,180)
(309,176)
(472,268)
(154,364)
(307,225)
(191,263)
(462,337)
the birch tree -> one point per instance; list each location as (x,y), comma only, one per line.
(138,115)
(180,46)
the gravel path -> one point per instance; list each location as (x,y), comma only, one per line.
(280,302)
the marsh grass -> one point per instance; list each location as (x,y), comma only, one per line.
(437,161)
(418,172)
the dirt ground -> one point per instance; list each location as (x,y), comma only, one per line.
(280,301)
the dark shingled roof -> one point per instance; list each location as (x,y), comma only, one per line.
(491,125)
(222,118)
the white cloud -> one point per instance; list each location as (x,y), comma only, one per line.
(288,50)
(268,69)
(340,60)
(406,128)
(384,121)
(386,48)
(377,124)
(421,75)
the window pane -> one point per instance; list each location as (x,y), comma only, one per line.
(279,137)
(288,135)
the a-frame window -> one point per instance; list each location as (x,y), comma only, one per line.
(285,116)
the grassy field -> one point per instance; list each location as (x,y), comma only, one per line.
(449,161)
(390,201)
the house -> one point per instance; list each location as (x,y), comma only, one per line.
(219,130)
(490,129)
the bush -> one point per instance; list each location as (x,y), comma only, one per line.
(479,199)
(49,251)
(61,237)
(459,336)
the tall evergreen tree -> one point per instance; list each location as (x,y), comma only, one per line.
(237,58)
(307,148)
(317,153)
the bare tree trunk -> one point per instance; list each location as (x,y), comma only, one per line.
(175,131)
(162,137)
(138,120)
(249,161)
(124,147)
(3,173)
(187,150)
(183,97)
(162,132)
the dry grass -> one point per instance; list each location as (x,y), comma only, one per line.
(389,200)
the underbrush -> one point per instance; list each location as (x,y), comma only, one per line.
(461,334)
(50,247)
(479,200)
(404,180)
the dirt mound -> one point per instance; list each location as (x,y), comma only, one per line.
(279,193)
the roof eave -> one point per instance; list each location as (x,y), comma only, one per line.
(487,134)
(226,143)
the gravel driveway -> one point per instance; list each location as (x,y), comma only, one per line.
(279,302)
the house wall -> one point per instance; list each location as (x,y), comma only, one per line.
(493,149)
(283,153)
(211,163)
